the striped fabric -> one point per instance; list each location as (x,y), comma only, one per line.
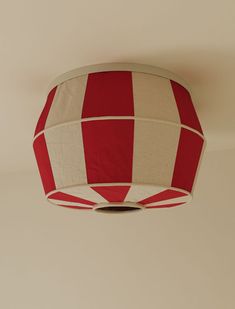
(118,136)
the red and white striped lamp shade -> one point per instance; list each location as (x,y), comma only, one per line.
(117,137)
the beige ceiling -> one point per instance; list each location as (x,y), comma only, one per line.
(55,258)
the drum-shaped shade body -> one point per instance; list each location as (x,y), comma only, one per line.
(118,135)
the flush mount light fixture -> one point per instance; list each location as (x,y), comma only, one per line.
(118,137)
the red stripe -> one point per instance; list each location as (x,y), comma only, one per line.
(185,107)
(44,165)
(43,117)
(188,155)
(75,207)
(108,94)
(165,206)
(69,198)
(108,148)
(113,193)
(162,196)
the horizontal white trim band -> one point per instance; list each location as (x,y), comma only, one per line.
(181,199)
(67,203)
(116,66)
(117,184)
(120,118)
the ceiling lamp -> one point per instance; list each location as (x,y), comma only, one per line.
(118,137)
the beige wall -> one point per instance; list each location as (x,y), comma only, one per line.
(181,258)
(178,258)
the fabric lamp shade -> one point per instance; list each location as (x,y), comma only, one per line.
(115,137)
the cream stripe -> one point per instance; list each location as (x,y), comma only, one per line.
(86,193)
(138,192)
(155,148)
(65,149)
(154,98)
(68,102)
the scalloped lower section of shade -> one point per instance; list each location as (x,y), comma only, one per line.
(142,196)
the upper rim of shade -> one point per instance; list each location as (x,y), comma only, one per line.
(118,66)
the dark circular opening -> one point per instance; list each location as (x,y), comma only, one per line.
(115,209)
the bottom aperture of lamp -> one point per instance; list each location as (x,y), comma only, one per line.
(118,207)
